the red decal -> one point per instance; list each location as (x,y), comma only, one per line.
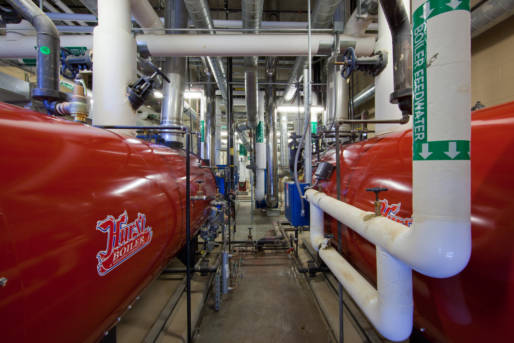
(391,211)
(123,240)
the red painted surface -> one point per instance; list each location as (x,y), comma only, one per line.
(58,179)
(477,305)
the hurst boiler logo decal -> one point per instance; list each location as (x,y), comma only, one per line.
(391,211)
(124,240)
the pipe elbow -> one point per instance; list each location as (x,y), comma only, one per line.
(440,248)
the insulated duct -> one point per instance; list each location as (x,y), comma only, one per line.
(252,17)
(322,18)
(489,14)
(201,17)
(175,69)
(397,16)
(48,49)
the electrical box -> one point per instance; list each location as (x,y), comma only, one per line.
(293,205)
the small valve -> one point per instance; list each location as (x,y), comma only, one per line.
(377,191)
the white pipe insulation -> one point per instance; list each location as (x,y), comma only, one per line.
(438,244)
(115,64)
(390,306)
(260,150)
(181,45)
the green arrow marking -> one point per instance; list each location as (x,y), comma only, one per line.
(260,132)
(202,131)
(456,150)
(422,148)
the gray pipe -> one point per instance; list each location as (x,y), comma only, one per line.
(210,115)
(322,17)
(398,19)
(489,14)
(48,47)
(271,141)
(175,68)
(252,17)
(201,17)
(364,95)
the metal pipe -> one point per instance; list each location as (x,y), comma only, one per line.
(489,14)
(364,95)
(322,17)
(271,141)
(188,234)
(397,16)
(403,120)
(48,50)
(175,70)
(252,17)
(211,121)
(307,150)
(201,17)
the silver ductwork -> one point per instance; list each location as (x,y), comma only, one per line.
(322,18)
(200,15)
(175,70)
(490,13)
(252,17)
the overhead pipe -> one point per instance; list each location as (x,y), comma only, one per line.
(182,45)
(175,70)
(397,16)
(489,14)
(438,243)
(201,17)
(252,17)
(322,17)
(47,52)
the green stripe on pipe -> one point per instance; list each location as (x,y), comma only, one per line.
(422,149)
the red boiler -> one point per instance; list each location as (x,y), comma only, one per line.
(476,305)
(87,219)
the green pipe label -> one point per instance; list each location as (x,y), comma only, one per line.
(202,131)
(260,132)
(421,147)
(44,50)
(314,127)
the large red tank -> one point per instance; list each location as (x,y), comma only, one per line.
(87,219)
(476,305)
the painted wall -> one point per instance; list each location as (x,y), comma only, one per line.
(492,67)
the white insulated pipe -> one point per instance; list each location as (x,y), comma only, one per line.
(260,150)
(250,45)
(115,64)
(146,17)
(438,244)
(182,45)
(284,148)
(390,306)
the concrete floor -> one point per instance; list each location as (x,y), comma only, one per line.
(270,301)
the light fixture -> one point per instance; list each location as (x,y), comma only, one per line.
(193,95)
(157,94)
(301,109)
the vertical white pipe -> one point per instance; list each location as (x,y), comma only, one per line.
(204,145)
(115,64)
(260,150)
(442,118)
